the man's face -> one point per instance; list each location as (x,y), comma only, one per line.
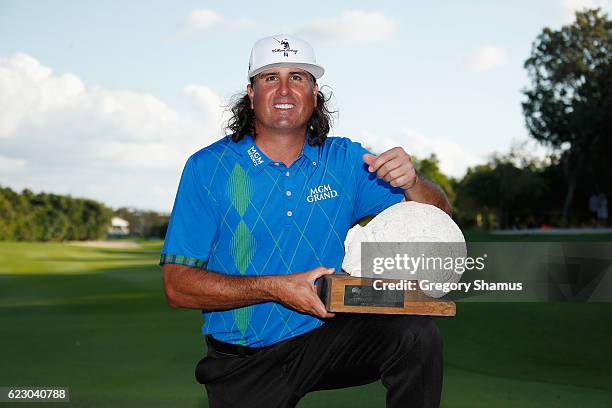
(283,98)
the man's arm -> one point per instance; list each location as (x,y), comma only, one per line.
(196,288)
(395,167)
(428,192)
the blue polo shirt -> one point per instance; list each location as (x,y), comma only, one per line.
(239,213)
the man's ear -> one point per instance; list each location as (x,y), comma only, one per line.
(315,89)
(250,93)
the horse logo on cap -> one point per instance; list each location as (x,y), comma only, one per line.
(286,47)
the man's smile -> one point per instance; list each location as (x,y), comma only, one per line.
(284,106)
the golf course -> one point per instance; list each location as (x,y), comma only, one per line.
(95,319)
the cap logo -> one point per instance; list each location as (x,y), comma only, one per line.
(286,49)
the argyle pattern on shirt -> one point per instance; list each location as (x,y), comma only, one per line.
(239,213)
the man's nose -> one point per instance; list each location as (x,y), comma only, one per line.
(283,86)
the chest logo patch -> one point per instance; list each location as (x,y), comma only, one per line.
(322,192)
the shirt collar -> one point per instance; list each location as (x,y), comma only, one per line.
(258,160)
(251,153)
(311,152)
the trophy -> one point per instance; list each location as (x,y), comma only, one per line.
(422,228)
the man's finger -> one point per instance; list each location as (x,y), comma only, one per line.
(382,159)
(320,271)
(406,179)
(317,273)
(368,158)
(401,171)
(400,181)
(321,311)
(389,167)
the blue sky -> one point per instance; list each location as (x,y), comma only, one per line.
(107,100)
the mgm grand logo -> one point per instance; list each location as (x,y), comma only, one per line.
(255,156)
(320,193)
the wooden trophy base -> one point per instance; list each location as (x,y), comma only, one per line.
(345,293)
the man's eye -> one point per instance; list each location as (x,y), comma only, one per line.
(270,78)
(297,77)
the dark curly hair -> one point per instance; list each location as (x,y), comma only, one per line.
(242,120)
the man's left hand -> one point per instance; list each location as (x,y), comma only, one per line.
(394,166)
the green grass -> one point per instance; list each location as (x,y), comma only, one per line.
(96,320)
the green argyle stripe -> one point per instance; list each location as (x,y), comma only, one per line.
(242,247)
(242,317)
(242,244)
(239,189)
(182,260)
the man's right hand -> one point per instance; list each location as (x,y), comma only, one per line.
(299,292)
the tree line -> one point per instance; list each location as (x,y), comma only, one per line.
(144,223)
(512,190)
(27,216)
(568,104)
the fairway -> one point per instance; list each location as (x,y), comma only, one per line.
(95,320)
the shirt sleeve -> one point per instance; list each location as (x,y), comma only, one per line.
(193,222)
(373,195)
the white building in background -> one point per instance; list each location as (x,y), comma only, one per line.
(119,227)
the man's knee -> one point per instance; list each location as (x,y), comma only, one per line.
(429,330)
(419,332)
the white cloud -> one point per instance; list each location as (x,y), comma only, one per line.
(10,165)
(208,101)
(352,27)
(26,91)
(454,158)
(62,135)
(486,58)
(374,142)
(205,19)
(569,7)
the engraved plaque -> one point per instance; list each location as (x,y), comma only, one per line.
(345,293)
(365,295)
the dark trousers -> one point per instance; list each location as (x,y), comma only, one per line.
(405,352)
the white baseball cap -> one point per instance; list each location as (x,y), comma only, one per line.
(283,51)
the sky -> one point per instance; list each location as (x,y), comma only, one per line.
(107,100)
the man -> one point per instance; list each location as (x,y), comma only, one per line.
(258,217)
